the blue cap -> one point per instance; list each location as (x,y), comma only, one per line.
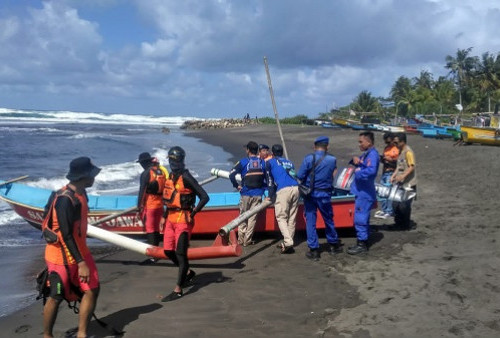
(322,139)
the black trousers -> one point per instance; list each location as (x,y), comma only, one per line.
(402,213)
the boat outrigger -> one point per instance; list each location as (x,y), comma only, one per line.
(112,216)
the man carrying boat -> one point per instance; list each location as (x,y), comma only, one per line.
(363,188)
(406,176)
(71,267)
(252,170)
(389,160)
(179,195)
(149,199)
(283,189)
(322,166)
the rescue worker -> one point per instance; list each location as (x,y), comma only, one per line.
(389,160)
(325,167)
(180,192)
(71,267)
(363,188)
(252,170)
(284,191)
(264,152)
(405,175)
(149,199)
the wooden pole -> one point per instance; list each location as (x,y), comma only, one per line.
(274,106)
(14,180)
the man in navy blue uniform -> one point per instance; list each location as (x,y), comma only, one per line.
(252,170)
(284,191)
(363,188)
(325,166)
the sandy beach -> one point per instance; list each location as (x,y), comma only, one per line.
(440,280)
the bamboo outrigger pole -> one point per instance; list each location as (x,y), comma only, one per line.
(14,180)
(274,106)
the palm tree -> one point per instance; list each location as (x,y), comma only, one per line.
(488,75)
(402,93)
(461,67)
(365,102)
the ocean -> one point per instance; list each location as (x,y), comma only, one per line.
(42,143)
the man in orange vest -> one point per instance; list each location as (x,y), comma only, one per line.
(71,267)
(149,199)
(181,190)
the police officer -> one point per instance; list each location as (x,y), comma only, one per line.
(252,170)
(284,191)
(363,187)
(324,166)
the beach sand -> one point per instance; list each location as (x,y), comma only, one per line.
(438,280)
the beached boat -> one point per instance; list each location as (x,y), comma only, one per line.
(28,202)
(481,135)
(344,123)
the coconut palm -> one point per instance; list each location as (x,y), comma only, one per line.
(461,67)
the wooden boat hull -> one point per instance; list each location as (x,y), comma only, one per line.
(481,135)
(28,202)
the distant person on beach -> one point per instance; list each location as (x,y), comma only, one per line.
(405,175)
(180,192)
(252,170)
(264,152)
(363,187)
(322,166)
(71,267)
(149,199)
(284,191)
(389,160)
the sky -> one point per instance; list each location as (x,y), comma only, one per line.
(205,58)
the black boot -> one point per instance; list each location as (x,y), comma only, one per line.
(335,248)
(151,238)
(313,254)
(359,248)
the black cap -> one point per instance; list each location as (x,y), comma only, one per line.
(277,150)
(252,147)
(145,157)
(263,146)
(80,168)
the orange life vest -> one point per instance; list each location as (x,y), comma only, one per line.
(154,190)
(179,199)
(54,251)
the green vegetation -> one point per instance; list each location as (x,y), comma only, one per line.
(298,119)
(473,82)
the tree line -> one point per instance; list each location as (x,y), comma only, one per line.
(471,86)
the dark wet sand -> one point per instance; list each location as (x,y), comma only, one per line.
(439,280)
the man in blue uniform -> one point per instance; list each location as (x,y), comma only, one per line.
(363,187)
(252,170)
(324,166)
(284,191)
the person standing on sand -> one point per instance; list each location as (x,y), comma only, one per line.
(68,259)
(252,170)
(363,188)
(149,199)
(389,160)
(179,195)
(284,190)
(324,166)
(405,175)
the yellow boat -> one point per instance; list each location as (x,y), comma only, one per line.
(344,123)
(481,135)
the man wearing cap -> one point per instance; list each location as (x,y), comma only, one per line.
(69,262)
(252,170)
(323,166)
(264,152)
(284,191)
(363,188)
(149,200)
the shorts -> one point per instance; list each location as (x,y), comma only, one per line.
(66,289)
(151,219)
(172,232)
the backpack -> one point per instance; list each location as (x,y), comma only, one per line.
(254,178)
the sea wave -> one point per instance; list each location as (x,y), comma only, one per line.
(53,116)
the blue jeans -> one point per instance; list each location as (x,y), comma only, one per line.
(386,205)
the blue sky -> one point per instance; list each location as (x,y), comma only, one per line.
(205,58)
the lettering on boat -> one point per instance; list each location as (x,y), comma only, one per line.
(119,222)
(35,215)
